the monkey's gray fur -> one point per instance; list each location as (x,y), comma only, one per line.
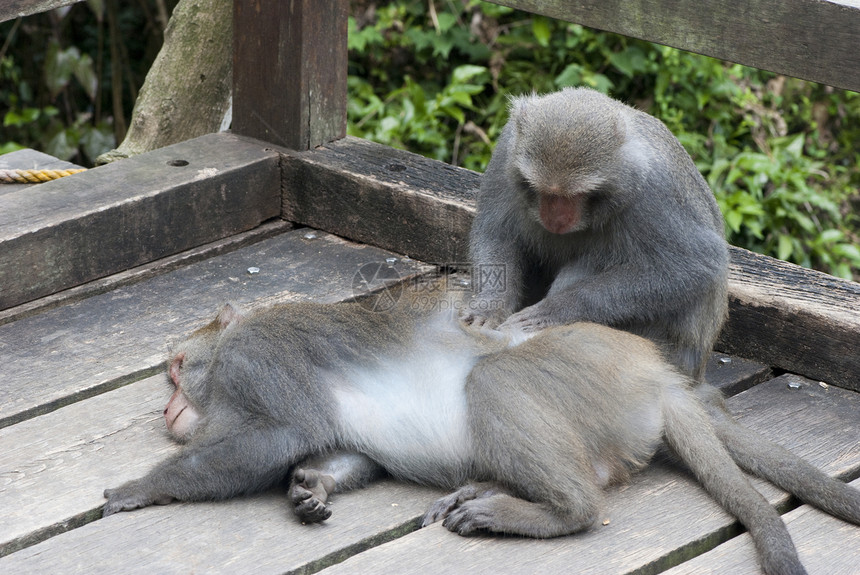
(527,429)
(596,213)
(637,240)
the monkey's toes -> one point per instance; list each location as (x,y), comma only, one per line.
(468,519)
(312,511)
(439,510)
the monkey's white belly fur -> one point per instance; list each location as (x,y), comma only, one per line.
(411,416)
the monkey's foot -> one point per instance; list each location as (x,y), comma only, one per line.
(443,507)
(129,497)
(471,317)
(309,492)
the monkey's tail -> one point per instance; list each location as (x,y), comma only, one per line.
(764,458)
(690,434)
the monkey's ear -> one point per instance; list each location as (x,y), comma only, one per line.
(517,106)
(229,313)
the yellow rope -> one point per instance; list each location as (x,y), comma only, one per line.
(33,176)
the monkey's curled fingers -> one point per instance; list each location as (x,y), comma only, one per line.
(309,492)
(531,319)
(128,497)
(442,507)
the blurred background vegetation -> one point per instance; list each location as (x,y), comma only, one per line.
(433,77)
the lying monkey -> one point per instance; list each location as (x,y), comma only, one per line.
(527,428)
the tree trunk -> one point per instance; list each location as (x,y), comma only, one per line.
(186,93)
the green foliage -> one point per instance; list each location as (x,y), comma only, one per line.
(54,68)
(781,155)
(44,127)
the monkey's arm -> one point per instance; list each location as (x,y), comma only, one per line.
(239,463)
(498,270)
(498,286)
(646,289)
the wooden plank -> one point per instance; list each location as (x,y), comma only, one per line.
(86,347)
(146,271)
(661,518)
(797,319)
(30,160)
(385,197)
(289,71)
(55,468)
(11,9)
(124,214)
(417,206)
(811,39)
(825,545)
(733,375)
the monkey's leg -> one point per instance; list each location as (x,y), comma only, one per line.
(222,467)
(768,460)
(541,489)
(317,478)
(493,508)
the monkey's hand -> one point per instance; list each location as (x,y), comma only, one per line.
(131,496)
(309,491)
(533,318)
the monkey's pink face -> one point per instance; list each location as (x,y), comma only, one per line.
(561,214)
(181,417)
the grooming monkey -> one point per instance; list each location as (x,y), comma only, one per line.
(595,212)
(526,428)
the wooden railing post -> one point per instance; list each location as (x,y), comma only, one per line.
(289,71)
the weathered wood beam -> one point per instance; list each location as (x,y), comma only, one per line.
(11,9)
(385,197)
(790,317)
(816,40)
(79,228)
(795,318)
(289,71)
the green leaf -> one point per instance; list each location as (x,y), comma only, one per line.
(785,247)
(86,75)
(98,140)
(734,221)
(63,145)
(541,30)
(20,118)
(466,72)
(849,251)
(828,236)
(629,62)
(570,76)
(446,21)
(59,66)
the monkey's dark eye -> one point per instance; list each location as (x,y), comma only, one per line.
(175,367)
(528,188)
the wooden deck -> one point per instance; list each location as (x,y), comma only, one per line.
(83,390)
(100,271)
